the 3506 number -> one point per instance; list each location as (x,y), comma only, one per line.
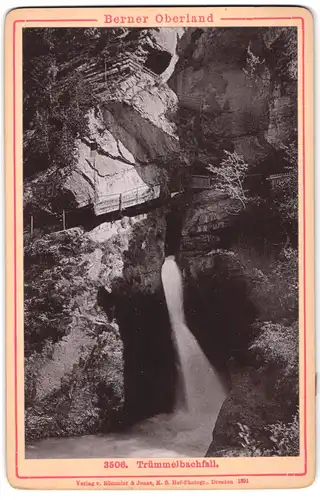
(115,464)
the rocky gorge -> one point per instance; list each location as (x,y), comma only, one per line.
(127,122)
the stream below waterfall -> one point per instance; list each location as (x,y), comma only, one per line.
(184,433)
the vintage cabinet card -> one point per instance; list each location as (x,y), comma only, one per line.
(159,170)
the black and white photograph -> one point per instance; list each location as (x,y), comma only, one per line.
(160,231)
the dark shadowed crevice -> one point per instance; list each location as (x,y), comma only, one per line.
(149,357)
(157,60)
(174,222)
(220,314)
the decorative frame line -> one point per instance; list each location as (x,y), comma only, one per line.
(15,263)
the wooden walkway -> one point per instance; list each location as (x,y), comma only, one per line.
(135,201)
(120,201)
(277,179)
(142,194)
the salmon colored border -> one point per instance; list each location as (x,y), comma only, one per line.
(15,262)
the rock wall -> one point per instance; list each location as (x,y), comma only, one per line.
(232,97)
(92,373)
(132,129)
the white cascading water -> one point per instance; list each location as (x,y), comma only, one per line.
(184,433)
(202,388)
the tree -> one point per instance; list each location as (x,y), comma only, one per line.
(56,95)
(253,63)
(230,175)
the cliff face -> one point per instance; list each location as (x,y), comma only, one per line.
(132,129)
(96,302)
(169,104)
(215,81)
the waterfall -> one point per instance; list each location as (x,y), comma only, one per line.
(201,389)
(186,432)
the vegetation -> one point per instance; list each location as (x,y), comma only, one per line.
(253,63)
(263,247)
(283,56)
(61,311)
(285,200)
(230,175)
(56,100)
(283,439)
(55,106)
(88,399)
(271,272)
(54,275)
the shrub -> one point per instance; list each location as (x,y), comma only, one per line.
(283,438)
(278,344)
(253,64)
(285,199)
(284,55)
(273,283)
(230,175)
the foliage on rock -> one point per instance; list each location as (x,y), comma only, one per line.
(54,276)
(57,99)
(89,398)
(61,306)
(285,201)
(283,439)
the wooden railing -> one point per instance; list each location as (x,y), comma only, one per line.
(201,182)
(276,179)
(120,201)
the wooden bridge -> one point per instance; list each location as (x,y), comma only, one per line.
(277,179)
(141,195)
(120,201)
(201,182)
(141,199)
